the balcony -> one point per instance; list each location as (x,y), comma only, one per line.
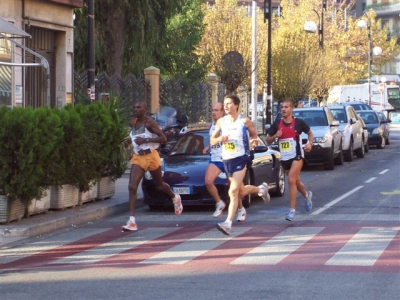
(385,9)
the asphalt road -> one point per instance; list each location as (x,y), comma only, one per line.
(348,247)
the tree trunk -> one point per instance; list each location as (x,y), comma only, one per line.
(114,22)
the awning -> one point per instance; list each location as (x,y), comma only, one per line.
(8,28)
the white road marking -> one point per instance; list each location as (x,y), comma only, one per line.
(364,248)
(333,202)
(190,249)
(280,246)
(10,255)
(370,180)
(384,171)
(116,246)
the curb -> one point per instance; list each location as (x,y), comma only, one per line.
(52,221)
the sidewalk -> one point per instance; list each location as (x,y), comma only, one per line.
(51,221)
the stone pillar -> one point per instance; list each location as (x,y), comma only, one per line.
(212,79)
(152,75)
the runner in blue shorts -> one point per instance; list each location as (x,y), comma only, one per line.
(236,134)
(215,166)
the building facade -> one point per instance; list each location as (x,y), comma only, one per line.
(388,11)
(37,69)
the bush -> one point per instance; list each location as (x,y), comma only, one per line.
(47,147)
(28,155)
(116,160)
(71,147)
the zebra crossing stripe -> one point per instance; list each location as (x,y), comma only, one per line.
(194,247)
(106,250)
(10,255)
(364,248)
(277,248)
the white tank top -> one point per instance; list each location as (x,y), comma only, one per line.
(215,150)
(144,133)
(238,138)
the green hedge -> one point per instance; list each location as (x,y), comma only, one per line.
(47,147)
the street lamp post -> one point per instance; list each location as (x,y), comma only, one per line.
(311,26)
(362,24)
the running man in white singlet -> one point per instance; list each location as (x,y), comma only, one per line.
(236,134)
(146,137)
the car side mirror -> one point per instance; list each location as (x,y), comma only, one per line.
(335,123)
(260,149)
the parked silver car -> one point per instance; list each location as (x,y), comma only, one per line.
(327,146)
(351,127)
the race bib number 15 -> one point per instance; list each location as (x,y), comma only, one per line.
(230,146)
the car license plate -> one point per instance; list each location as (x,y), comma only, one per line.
(182,190)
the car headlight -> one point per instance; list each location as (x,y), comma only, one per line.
(377,130)
(222,175)
(147,174)
(320,140)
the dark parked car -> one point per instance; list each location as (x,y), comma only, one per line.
(377,129)
(184,168)
(385,121)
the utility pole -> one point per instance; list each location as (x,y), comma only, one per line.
(254,68)
(90,57)
(269,59)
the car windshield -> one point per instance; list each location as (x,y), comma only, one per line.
(360,106)
(369,117)
(190,144)
(311,117)
(339,115)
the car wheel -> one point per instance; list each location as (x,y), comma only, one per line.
(361,151)
(246,181)
(382,145)
(348,156)
(366,147)
(280,183)
(339,159)
(155,207)
(329,164)
(387,142)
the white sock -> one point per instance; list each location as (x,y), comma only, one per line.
(292,210)
(132,219)
(175,198)
(241,209)
(220,203)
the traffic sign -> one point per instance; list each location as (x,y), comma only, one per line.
(381,87)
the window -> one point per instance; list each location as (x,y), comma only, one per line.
(5,73)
